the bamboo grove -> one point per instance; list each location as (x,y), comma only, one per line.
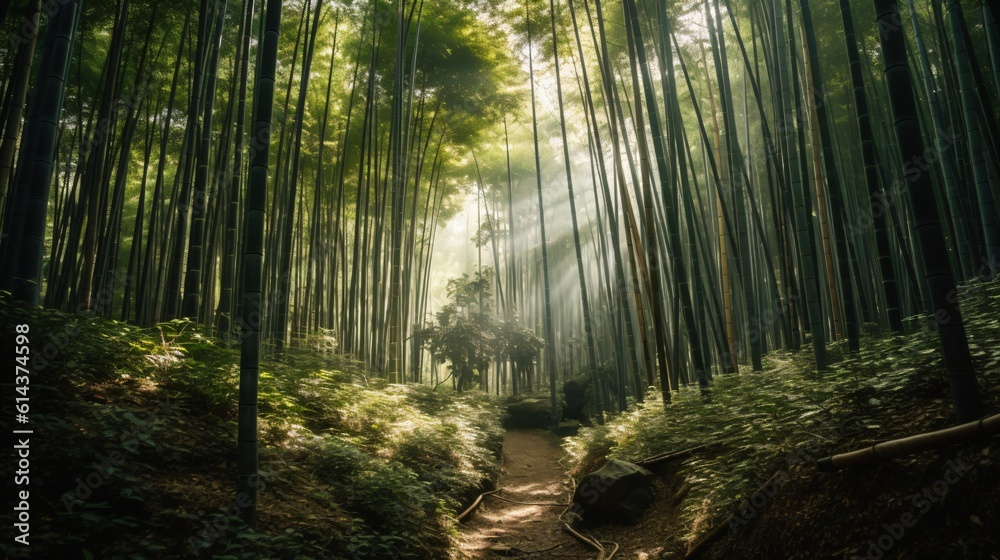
(661,191)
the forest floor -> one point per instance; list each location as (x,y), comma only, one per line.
(746,455)
(534,472)
(139,450)
(359,469)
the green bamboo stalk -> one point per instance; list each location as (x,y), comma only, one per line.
(23,250)
(191,303)
(253,261)
(876,199)
(833,183)
(550,358)
(927,229)
(801,212)
(976,144)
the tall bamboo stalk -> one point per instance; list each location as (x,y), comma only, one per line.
(253,263)
(927,229)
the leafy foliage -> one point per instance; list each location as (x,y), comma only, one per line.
(469,334)
(790,415)
(140,435)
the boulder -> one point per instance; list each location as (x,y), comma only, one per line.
(619,492)
(567,429)
(529,414)
(575,401)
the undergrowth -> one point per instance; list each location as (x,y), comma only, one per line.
(788,415)
(133,455)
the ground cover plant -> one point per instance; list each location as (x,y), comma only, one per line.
(274,273)
(139,444)
(774,424)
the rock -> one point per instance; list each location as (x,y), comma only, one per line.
(565,429)
(575,401)
(528,414)
(618,492)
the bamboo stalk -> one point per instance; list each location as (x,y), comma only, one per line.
(893,449)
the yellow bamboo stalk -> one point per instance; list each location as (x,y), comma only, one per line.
(824,220)
(727,292)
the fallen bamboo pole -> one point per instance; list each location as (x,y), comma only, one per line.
(674,454)
(963,433)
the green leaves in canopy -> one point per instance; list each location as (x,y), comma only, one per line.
(464,63)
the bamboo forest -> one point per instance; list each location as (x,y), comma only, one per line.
(482,279)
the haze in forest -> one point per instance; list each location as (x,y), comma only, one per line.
(363,243)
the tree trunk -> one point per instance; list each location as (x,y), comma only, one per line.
(974,136)
(23,250)
(927,229)
(550,342)
(876,199)
(18,94)
(246,488)
(195,265)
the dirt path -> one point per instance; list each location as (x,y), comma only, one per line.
(531,473)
